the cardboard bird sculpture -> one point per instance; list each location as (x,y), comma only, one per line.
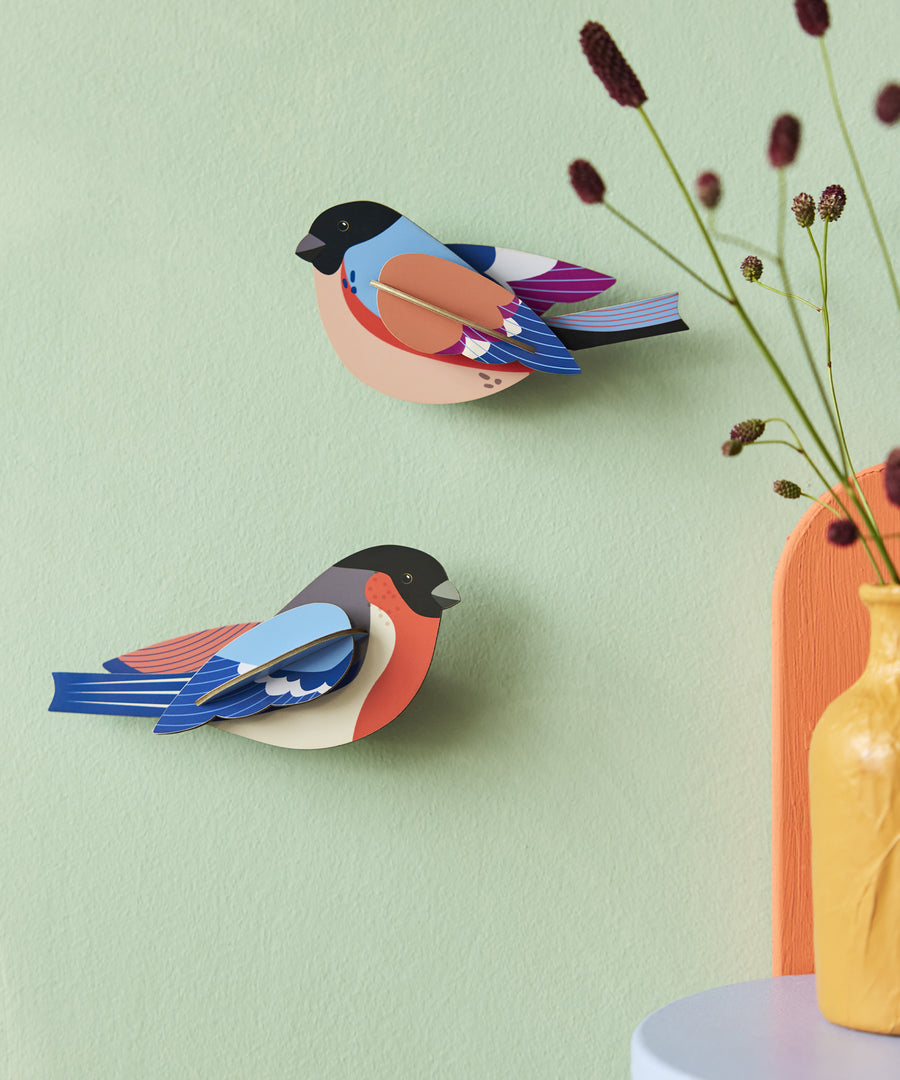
(341,660)
(436,323)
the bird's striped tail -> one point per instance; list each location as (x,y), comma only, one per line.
(619,322)
(120,693)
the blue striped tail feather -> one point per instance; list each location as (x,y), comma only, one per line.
(115,694)
(619,322)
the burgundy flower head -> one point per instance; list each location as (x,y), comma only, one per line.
(812,16)
(892,476)
(784,141)
(804,208)
(610,66)
(748,431)
(586,181)
(832,202)
(887,104)
(843,532)
(732,447)
(752,268)
(709,189)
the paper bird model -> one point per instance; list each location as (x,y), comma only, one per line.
(342,659)
(436,323)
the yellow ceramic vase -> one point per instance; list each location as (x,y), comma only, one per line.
(854,788)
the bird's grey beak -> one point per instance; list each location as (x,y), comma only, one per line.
(445,595)
(309,246)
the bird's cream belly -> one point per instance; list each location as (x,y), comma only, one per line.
(330,720)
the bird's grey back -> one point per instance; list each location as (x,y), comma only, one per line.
(339,585)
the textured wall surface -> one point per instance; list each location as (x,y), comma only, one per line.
(570,825)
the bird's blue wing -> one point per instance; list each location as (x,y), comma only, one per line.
(538,281)
(479,256)
(523,325)
(313,668)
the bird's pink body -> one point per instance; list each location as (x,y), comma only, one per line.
(396,371)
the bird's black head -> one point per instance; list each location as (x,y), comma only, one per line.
(337,229)
(418,577)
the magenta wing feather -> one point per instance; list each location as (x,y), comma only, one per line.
(564,284)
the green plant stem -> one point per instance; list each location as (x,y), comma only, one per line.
(795,314)
(776,442)
(826,321)
(851,484)
(798,445)
(826,324)
(646,236)
(844,512)
(738,241)
(832,89)
(790,296)
(764,349)
(836,513)
(739,308)
(745,245)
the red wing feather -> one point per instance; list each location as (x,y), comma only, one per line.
(180,655)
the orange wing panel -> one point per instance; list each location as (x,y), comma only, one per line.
(453,288)
(820,639)
(187,653)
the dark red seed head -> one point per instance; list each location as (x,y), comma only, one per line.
(843,532)
(610,66)
(832,202)
(812,16)
(709,189)
(892,476)
(752,268)
(804,208)
(586,181)
(784,141)
(887,104)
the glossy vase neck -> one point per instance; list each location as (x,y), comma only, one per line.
(883,603)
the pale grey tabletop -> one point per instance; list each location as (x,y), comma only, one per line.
(768,1029)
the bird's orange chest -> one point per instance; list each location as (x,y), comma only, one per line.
(414,640)
(415,634)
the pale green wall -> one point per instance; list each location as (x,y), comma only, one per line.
(570,826)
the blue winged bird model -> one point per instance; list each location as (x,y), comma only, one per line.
(341,660)
(430,322)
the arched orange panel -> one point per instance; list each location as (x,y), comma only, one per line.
(820,639)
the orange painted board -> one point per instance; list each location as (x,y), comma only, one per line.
(820,638)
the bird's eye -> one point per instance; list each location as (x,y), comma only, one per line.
(406,579)
(343,225)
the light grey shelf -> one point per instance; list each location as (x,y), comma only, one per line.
(768,1029)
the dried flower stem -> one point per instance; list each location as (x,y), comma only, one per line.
(799,447)
(795,315)
(832,89)
(771,361)
(844,512)
(826,323)
(851,484)
(739,308)
(790,296)
(665,251)
(777,442)
(837,514)
(739,241)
